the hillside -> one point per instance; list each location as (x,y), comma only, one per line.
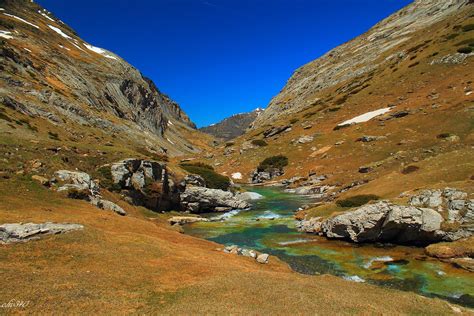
(86,141)
(233,126)
(397,101)
(67,85)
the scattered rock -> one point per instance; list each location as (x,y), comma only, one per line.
(182,220)
(107,206)
(365,169)
(76,180)
(17,232)
(368,139)
(249,196)
(305,139)
(263,258)
(276,130)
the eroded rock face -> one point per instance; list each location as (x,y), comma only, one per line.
(200,199)
(17,232)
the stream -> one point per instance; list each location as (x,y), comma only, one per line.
(398,267)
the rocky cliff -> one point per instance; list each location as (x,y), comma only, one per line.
(49,72)
(233,126)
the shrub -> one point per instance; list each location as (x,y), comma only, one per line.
(212,178)
(229,144)
(410,169)
(357,200)
(78,194)
(444,135)
(274,162)
(53,136)
(467,28)
(465,50)
(293,121)
(259,142)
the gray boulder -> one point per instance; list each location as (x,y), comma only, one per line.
(18,232)
(107,206)
(386,222)
(199,199)
(263,258)
(133,173)
(80,181)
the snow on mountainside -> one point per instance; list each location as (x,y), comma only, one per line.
(50,72)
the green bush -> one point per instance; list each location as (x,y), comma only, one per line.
(106,180)
(212,178)
(465,50)
(259,142)
(357,200)
(274,162)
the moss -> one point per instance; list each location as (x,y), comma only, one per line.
(274,162)
(213,179)
(357,200)
(259,142)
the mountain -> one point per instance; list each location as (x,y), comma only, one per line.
(49,72)
(391,109)
(394,43)
(233,126)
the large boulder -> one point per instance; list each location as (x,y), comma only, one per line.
(18,232)
(386,222)
(145,183)
(77,180)
(263,176)
(200,199)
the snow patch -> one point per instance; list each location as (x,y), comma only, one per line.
(60,32)
(29,51)
(22,20)
(99,51)
(45,15)
(469,93)
(64,47)
(237,176)
(365,117)
(6,34)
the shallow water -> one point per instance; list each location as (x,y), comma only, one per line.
(269,227)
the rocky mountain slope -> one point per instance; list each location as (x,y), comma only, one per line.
(49,72)
(352,66)
(398,101)
(233,126)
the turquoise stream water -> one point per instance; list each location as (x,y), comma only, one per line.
(399,267)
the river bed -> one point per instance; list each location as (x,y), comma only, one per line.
(269,227)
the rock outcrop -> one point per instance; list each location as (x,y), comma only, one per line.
(200,199)
(261,258)
(18,232)
(146,183)
(418,223)
(80,185)
(263,176)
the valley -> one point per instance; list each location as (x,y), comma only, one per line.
(352,192)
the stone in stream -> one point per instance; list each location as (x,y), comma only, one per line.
(18,232)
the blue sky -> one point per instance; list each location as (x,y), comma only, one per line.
(220,57)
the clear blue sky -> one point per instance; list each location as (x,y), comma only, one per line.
(220,57)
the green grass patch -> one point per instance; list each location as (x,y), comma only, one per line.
(213,179)
(465,50)
(468,28)
(274,162)
(357,200)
